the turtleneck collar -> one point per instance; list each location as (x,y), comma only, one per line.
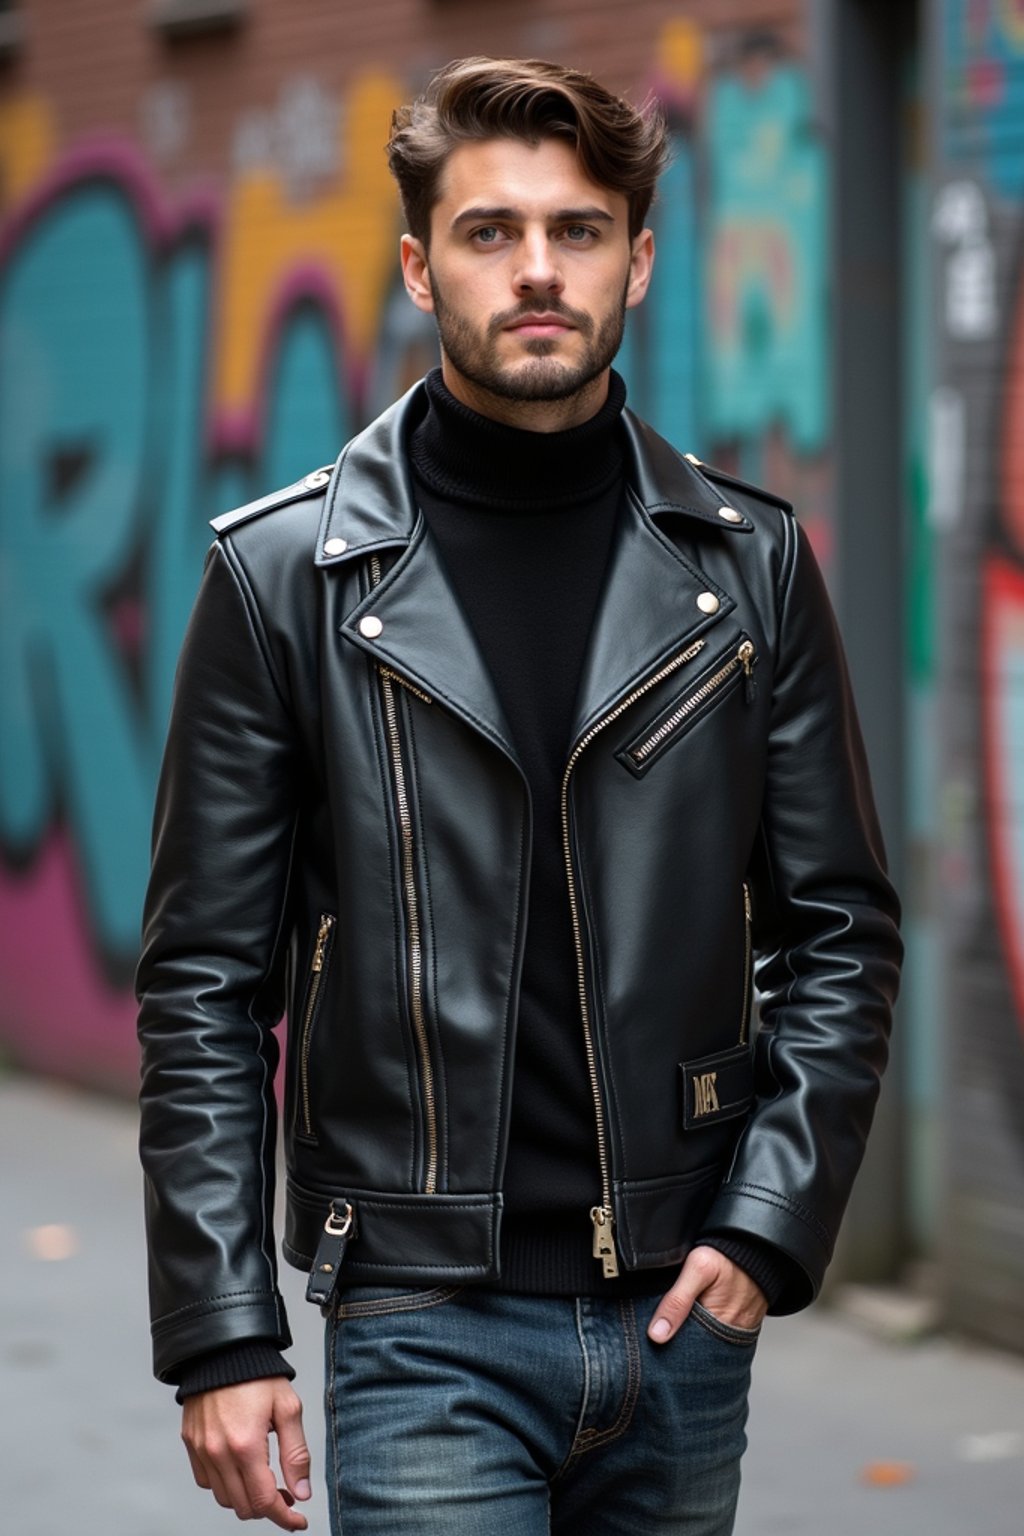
(463,456)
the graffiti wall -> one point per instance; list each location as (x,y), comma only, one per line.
(167,353)
(159,360)
(977,507)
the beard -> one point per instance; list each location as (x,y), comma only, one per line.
(544,376)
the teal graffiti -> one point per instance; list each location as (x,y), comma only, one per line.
(765,269)
(107,479)
(110,466)
(176,487)
(309,420)
(983,95)
(73,387)
(660,356)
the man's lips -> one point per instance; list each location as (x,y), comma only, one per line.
(540,325)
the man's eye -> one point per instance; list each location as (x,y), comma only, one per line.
(489,235)
(577,232)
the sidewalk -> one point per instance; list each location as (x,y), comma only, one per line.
(91,1441)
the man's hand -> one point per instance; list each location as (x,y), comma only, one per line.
(226,1433)
(719,1285)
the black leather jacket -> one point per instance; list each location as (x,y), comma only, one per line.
(343,830)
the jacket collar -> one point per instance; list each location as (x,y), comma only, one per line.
(654,602)
(371,503)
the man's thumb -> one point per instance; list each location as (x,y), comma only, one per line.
(291,1444)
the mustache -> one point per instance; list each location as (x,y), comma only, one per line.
(577,318)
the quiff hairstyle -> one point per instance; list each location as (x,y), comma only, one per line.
(617,146)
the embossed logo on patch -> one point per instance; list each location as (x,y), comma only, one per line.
(705,1096)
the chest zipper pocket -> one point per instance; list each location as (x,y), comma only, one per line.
(318,969)
(726,672)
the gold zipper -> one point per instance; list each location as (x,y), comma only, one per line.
(602,1216)
(396,677)
(744,658)
(748,955)
(412,910)
(316,976)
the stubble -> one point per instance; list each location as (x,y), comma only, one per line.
(546,377)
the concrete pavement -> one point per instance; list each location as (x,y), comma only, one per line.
(90,1440)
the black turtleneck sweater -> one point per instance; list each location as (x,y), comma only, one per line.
(524,522)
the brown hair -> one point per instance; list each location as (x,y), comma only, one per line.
(617,145)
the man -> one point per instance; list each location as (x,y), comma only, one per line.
(498,752)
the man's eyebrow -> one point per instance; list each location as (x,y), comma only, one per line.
(588,215)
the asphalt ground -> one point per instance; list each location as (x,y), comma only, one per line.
(849,1436)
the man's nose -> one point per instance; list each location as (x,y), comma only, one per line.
(538,270)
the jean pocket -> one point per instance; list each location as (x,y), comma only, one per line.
(729,1333)
(387,1300)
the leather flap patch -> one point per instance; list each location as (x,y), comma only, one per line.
(717,1087)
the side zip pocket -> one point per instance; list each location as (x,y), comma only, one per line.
(317,976)
(748,964)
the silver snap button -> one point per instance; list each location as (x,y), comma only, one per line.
(318,478)
(335,546)
(707,602)
(371,626)
(730,514)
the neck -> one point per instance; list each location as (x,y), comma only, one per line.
(528,415)
(466,457)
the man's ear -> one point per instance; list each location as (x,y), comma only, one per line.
(416,273)
(641,265)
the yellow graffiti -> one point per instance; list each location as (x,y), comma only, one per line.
(680,53)
(28,142)
(351,231)
(1011,19)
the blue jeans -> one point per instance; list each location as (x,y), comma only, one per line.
(471,1413)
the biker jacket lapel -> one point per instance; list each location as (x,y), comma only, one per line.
(412,622)
(654,600)
(653,604)
(411,619)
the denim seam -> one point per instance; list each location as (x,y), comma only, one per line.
(391,1307)
(334,1492)
(729,1333)
(594,1438)
(571,1453)
(591,1439)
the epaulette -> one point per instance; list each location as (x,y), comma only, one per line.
(721,475)
(308,486)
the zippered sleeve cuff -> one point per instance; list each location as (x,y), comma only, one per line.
(248,1360)
(769,1268)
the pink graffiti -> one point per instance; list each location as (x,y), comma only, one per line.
(1002,679)
(49,974)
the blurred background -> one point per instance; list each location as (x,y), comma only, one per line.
(200,300)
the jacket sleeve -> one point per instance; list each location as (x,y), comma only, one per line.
(209,982)
(829,952)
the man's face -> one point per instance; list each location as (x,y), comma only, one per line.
(529,274)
